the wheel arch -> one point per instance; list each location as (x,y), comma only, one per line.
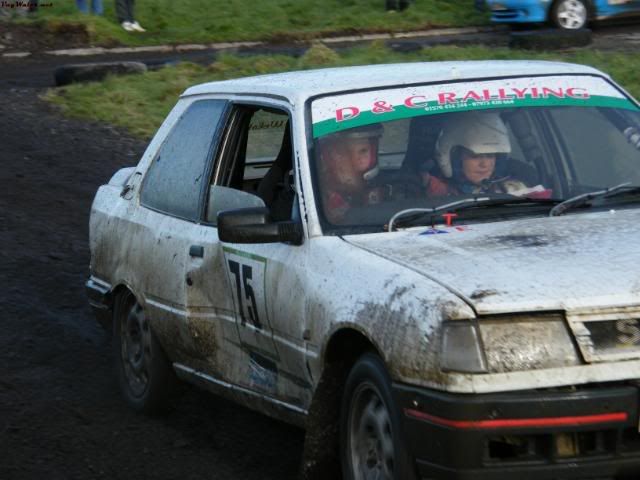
(116,292)
(348,343)
(321,457)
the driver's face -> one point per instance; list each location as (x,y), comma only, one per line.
(478,167)
(360,153)
(348,159)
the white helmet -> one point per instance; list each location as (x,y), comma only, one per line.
(481,133)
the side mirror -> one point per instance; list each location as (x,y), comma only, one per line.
(224,198)
(254,225)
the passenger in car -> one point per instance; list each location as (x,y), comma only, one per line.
(470,152)
(348,161)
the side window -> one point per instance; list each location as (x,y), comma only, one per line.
(174,182)
(264,141)
(258,160)
(601,155)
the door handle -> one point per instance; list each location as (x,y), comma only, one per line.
(196,251)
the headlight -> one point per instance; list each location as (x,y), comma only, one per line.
(533,342)
(508,344)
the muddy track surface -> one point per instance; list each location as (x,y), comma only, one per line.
(60,413)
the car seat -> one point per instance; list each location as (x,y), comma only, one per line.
(275,188)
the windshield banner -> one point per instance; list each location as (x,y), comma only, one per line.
(332,114)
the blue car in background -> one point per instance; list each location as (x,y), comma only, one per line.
(565,14)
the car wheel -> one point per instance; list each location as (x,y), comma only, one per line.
(372,444)
(146,378)
(569,14)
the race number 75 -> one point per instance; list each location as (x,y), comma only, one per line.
(243,275)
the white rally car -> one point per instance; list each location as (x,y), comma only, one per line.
(432,267)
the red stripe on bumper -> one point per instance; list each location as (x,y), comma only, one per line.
(519,422)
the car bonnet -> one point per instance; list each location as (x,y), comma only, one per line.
(574,262)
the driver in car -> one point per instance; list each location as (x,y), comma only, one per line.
(470,150)
(348,162)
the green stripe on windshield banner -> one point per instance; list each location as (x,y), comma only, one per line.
(326,127)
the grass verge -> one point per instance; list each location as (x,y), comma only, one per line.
(139,103)
(189,21)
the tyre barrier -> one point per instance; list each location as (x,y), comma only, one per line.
(93,72)
(550,39)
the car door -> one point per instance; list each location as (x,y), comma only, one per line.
(165,224)
(617,7)
(264,350)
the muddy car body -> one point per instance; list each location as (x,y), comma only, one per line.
(484,331)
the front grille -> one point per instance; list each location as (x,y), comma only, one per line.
(630,441)
(515,448)
(607,335)
(551,448)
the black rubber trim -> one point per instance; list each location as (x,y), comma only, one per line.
(442,451)
(528,404)
(627,468)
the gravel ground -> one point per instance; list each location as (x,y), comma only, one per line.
(61,416)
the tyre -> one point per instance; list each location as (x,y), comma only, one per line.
(94,72)
(569,14)
(145,376)
(371,439)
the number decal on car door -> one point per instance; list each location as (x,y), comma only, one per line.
(246,273)
(244,290)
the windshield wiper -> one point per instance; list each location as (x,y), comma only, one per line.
(414,214)
(585,198)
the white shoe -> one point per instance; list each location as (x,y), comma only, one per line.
(137,27)
(128,26)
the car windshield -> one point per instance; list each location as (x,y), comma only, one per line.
(548,138)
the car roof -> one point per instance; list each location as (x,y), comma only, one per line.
(300,85)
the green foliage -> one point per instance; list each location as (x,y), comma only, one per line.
(140,102)
(169,21)
(319,55)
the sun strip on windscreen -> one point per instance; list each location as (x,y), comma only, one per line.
(336,113)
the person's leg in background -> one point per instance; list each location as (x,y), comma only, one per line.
(96,7)
(393,5)
(130,4)
(82,6)
(134,24)
(122,13)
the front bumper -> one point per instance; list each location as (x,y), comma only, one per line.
(541,435)
(517,12)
